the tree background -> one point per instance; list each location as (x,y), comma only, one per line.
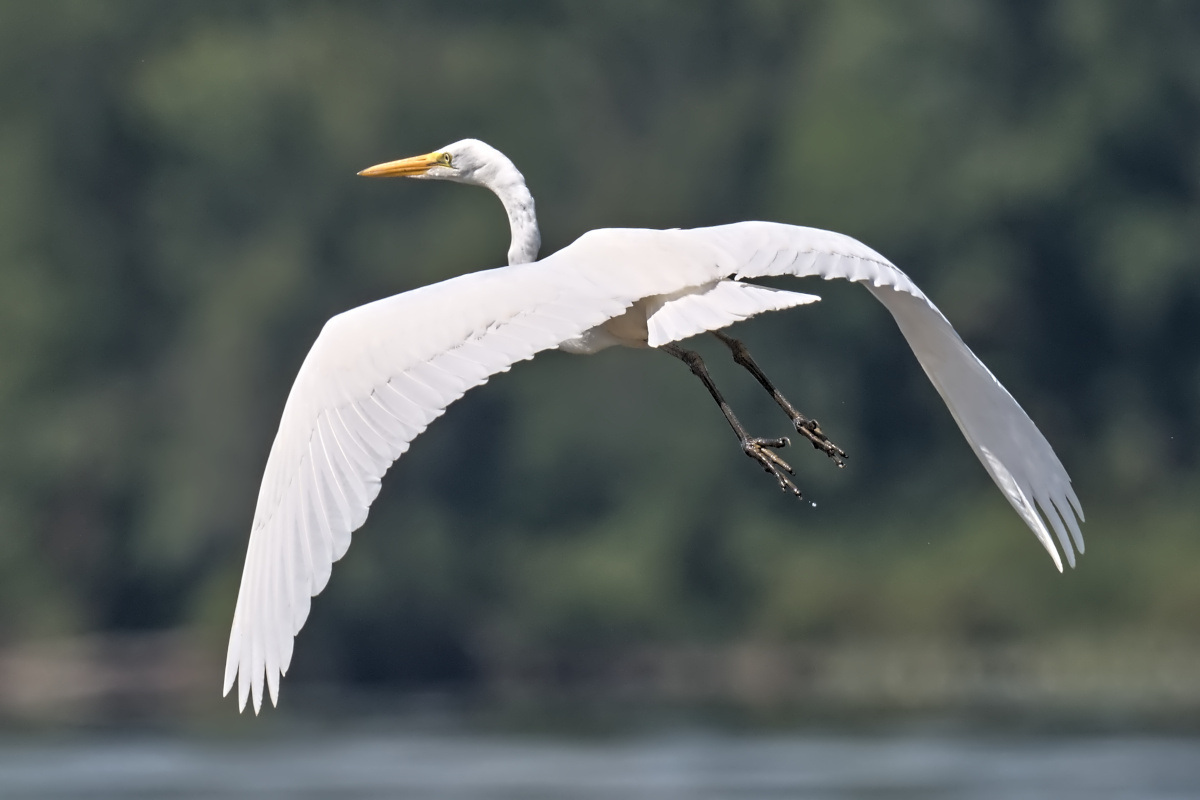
(179,215)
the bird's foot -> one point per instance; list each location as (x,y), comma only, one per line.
(758,449)
(809,429)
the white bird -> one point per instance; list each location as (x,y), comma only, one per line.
(377,375)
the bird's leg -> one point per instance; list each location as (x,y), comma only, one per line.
(804,426)
(756,448)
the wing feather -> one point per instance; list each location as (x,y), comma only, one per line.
(350,476)
(714,306)
(301,577)
(319,543)
(379,374)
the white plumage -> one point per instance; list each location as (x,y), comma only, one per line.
(379,374)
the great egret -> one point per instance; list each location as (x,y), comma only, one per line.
(379,374)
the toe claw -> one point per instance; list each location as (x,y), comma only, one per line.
(770,462)
(811,430)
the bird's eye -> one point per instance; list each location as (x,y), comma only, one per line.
(445,159)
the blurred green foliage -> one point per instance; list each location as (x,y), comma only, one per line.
(179,215)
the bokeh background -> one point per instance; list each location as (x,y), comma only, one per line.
(179,215)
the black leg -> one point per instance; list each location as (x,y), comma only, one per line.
(756,448)
(804,426)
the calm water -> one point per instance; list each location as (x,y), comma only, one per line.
(359,766)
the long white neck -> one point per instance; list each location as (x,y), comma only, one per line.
(522,221)
(500,175)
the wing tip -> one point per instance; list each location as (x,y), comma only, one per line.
(1052,550)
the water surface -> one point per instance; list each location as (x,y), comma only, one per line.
(357,766)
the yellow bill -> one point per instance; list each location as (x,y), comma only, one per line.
(408,167)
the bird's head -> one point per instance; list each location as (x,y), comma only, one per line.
(466,161)
(472,161)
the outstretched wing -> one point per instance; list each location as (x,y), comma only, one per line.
(1013,451)
(379,374)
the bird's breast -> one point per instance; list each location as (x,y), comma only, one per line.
(628,329)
